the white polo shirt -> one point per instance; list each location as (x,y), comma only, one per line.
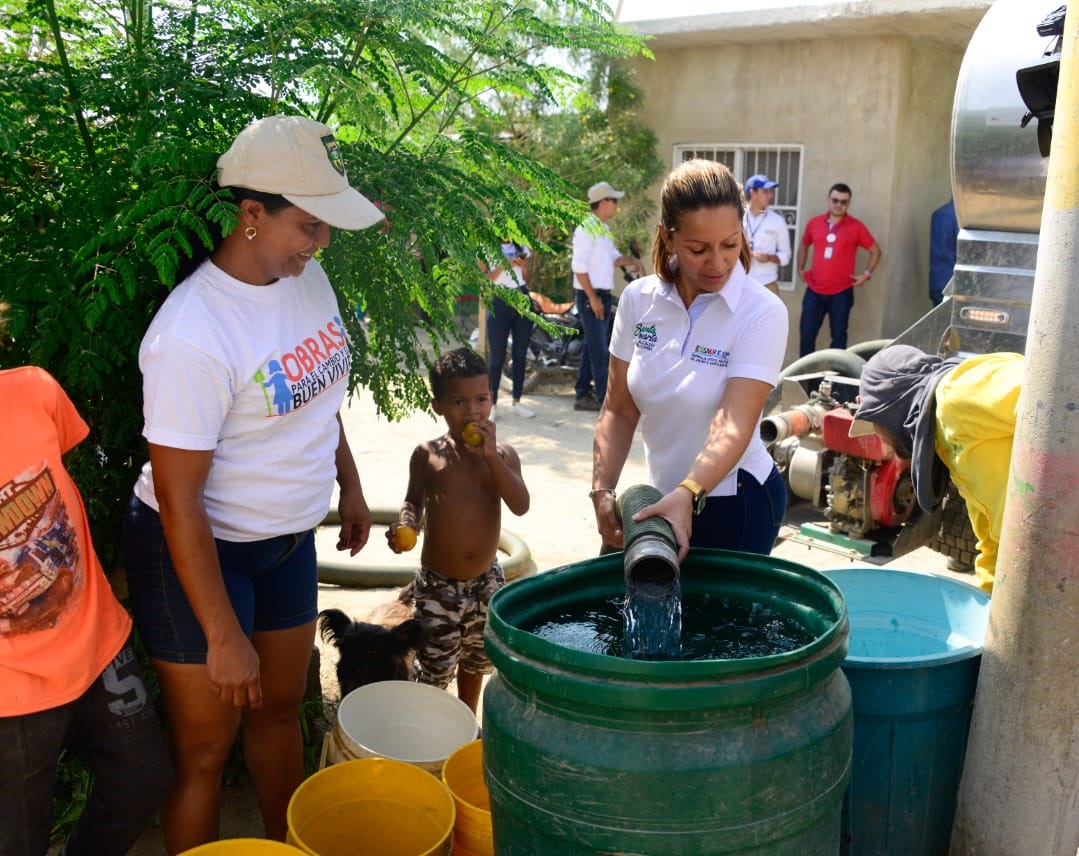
(767,233)
(680,361)
(594,253)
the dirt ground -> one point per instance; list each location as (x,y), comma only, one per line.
(556,454)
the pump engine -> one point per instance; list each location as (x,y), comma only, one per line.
(865,490)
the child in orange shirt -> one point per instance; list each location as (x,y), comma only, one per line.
(69,674)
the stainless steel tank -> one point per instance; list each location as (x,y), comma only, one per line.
(998,183)
(998,172)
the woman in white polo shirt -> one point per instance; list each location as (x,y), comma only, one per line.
(695,351)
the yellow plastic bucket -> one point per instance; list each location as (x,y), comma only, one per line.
(372,805)
(243,847)
(463,775)
(401,720)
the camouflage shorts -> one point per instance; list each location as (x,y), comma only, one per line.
(454,613)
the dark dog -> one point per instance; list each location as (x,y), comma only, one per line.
(373,652)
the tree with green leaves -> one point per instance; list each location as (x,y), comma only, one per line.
(111,120)
(600,138)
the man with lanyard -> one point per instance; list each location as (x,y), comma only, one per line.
(594,259)
(769,240)
(830,283)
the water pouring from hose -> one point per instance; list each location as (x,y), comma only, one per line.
(653,607)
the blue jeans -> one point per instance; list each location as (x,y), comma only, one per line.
(749,521)
(502,320)
(594,356)
(814,307)
(114,729)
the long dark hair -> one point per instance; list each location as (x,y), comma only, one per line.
(272,202)
(690,186)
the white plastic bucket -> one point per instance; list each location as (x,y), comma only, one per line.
(402,720)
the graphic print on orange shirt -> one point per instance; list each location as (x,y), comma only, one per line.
(39,553)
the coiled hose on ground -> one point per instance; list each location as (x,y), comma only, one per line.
(516,561)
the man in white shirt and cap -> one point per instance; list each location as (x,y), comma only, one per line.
(769,238)
(594,259)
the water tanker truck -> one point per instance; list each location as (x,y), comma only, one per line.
(1002,120)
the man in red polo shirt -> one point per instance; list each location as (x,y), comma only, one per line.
(830,282)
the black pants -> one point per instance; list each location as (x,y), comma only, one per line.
(113,727)
(814,307)
(595,360)
(502,320)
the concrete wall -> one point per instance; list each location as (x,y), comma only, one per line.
(872,112)
(922,178)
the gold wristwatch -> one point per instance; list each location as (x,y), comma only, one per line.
(700,495)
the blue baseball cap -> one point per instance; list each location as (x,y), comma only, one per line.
(760,182)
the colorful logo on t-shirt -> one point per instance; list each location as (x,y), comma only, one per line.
(297,377)
(645,337)
(39,553)
(710,356)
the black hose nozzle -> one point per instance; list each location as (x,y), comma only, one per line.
(650,559)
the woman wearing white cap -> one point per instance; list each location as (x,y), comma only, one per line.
(245,367)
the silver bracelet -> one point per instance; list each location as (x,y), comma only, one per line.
(592,493)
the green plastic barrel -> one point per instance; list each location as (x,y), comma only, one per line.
(586,753)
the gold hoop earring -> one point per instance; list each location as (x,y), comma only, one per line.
(250,233)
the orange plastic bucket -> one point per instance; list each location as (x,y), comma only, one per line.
(372,805)
(243,847)
(463,775)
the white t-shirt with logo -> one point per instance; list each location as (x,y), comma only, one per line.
(680,361)
(257,374)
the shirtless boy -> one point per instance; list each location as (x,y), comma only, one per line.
(456,490)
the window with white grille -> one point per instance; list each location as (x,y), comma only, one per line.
(779,163)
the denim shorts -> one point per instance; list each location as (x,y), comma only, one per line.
(273,585)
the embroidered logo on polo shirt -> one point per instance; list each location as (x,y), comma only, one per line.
(645,337)
(710,356)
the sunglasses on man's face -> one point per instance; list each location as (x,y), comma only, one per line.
(835,201)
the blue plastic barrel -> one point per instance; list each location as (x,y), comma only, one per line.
(915,649)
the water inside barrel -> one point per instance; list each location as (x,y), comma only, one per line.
(712,628)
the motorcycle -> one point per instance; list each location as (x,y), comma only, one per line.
(557,356)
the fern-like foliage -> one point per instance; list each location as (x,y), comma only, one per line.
(112,117)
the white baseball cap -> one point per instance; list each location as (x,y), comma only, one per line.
(601,191)
(299,159)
